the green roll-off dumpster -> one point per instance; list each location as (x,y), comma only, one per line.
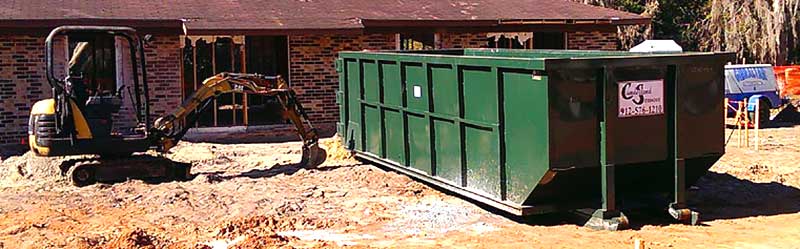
(537,131)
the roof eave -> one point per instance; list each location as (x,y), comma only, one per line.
(255,31)
(599,21)
(40,26)
(388,23)
(508,25)
(178,27)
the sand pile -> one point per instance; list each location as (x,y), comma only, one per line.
(336,150)
(29,169)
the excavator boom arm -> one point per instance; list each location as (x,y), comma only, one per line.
(168,130)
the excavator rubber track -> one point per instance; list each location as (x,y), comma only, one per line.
(87,171)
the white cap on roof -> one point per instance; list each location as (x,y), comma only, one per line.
(657,46)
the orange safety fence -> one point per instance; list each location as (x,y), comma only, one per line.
(788,81)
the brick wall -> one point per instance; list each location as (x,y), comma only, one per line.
(592,40)
(462,40)
(313,71)
(164,74)
(23,80)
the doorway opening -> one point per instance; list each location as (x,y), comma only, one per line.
(205,56)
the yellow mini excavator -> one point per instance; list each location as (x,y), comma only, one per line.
(78,119)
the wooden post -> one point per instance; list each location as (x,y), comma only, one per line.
(739,123)
(214,70)
(746,123)
(639,244)
(757,123)
(245,105)
(233,95)
(194,71)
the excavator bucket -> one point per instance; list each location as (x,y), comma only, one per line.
(313,156)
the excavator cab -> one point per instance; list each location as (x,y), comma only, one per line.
(98,97)
(80,117)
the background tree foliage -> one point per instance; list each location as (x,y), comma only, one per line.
(759,31)
(763,31)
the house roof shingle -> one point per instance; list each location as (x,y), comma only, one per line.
(286,15)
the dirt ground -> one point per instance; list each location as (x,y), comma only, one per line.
(252,196)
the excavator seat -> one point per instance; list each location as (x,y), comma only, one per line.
(103,106)
(99,111)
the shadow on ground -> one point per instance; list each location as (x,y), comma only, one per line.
(247,137)
(280,169)
(723,196)
(716,196)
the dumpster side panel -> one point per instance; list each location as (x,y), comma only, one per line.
(444,81)
(481,138)
(395,136)
(480,94)
(573,118)
(482,159)
(371,83)
(416,82)
(352,86)
(419,149)
(392,96)
(699,93)
(373,139)
(392,85)
(640,137)
(447,145)
(525,123)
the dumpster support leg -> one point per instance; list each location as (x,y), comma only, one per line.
(678,208)
(608,217)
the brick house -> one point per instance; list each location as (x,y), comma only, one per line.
(194,39)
